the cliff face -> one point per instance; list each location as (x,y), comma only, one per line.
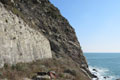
(19,42)
(32,18)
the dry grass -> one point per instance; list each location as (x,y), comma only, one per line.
(64,69)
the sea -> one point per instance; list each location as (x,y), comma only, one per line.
(106,66)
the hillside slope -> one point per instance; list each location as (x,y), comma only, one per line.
(42,16)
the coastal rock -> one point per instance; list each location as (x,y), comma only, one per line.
(38,18)
(19,42)
(106,77)
(95,70)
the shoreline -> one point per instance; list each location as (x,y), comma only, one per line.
(102,74)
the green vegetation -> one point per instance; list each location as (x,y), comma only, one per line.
(17,12)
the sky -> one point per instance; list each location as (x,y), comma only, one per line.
(96,22)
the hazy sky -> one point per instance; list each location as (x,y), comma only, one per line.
(96,22)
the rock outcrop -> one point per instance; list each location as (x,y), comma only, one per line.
(19,42)
(23,27)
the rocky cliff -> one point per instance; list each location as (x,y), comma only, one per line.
(19,42)
(32,29)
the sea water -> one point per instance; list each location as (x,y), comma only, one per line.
(105,65)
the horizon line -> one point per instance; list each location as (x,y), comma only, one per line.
(101,52)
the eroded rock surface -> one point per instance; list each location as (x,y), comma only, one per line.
(44,18)
(19,42)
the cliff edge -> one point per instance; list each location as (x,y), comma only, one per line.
(36,28)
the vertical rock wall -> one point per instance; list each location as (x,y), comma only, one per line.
(19,42)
